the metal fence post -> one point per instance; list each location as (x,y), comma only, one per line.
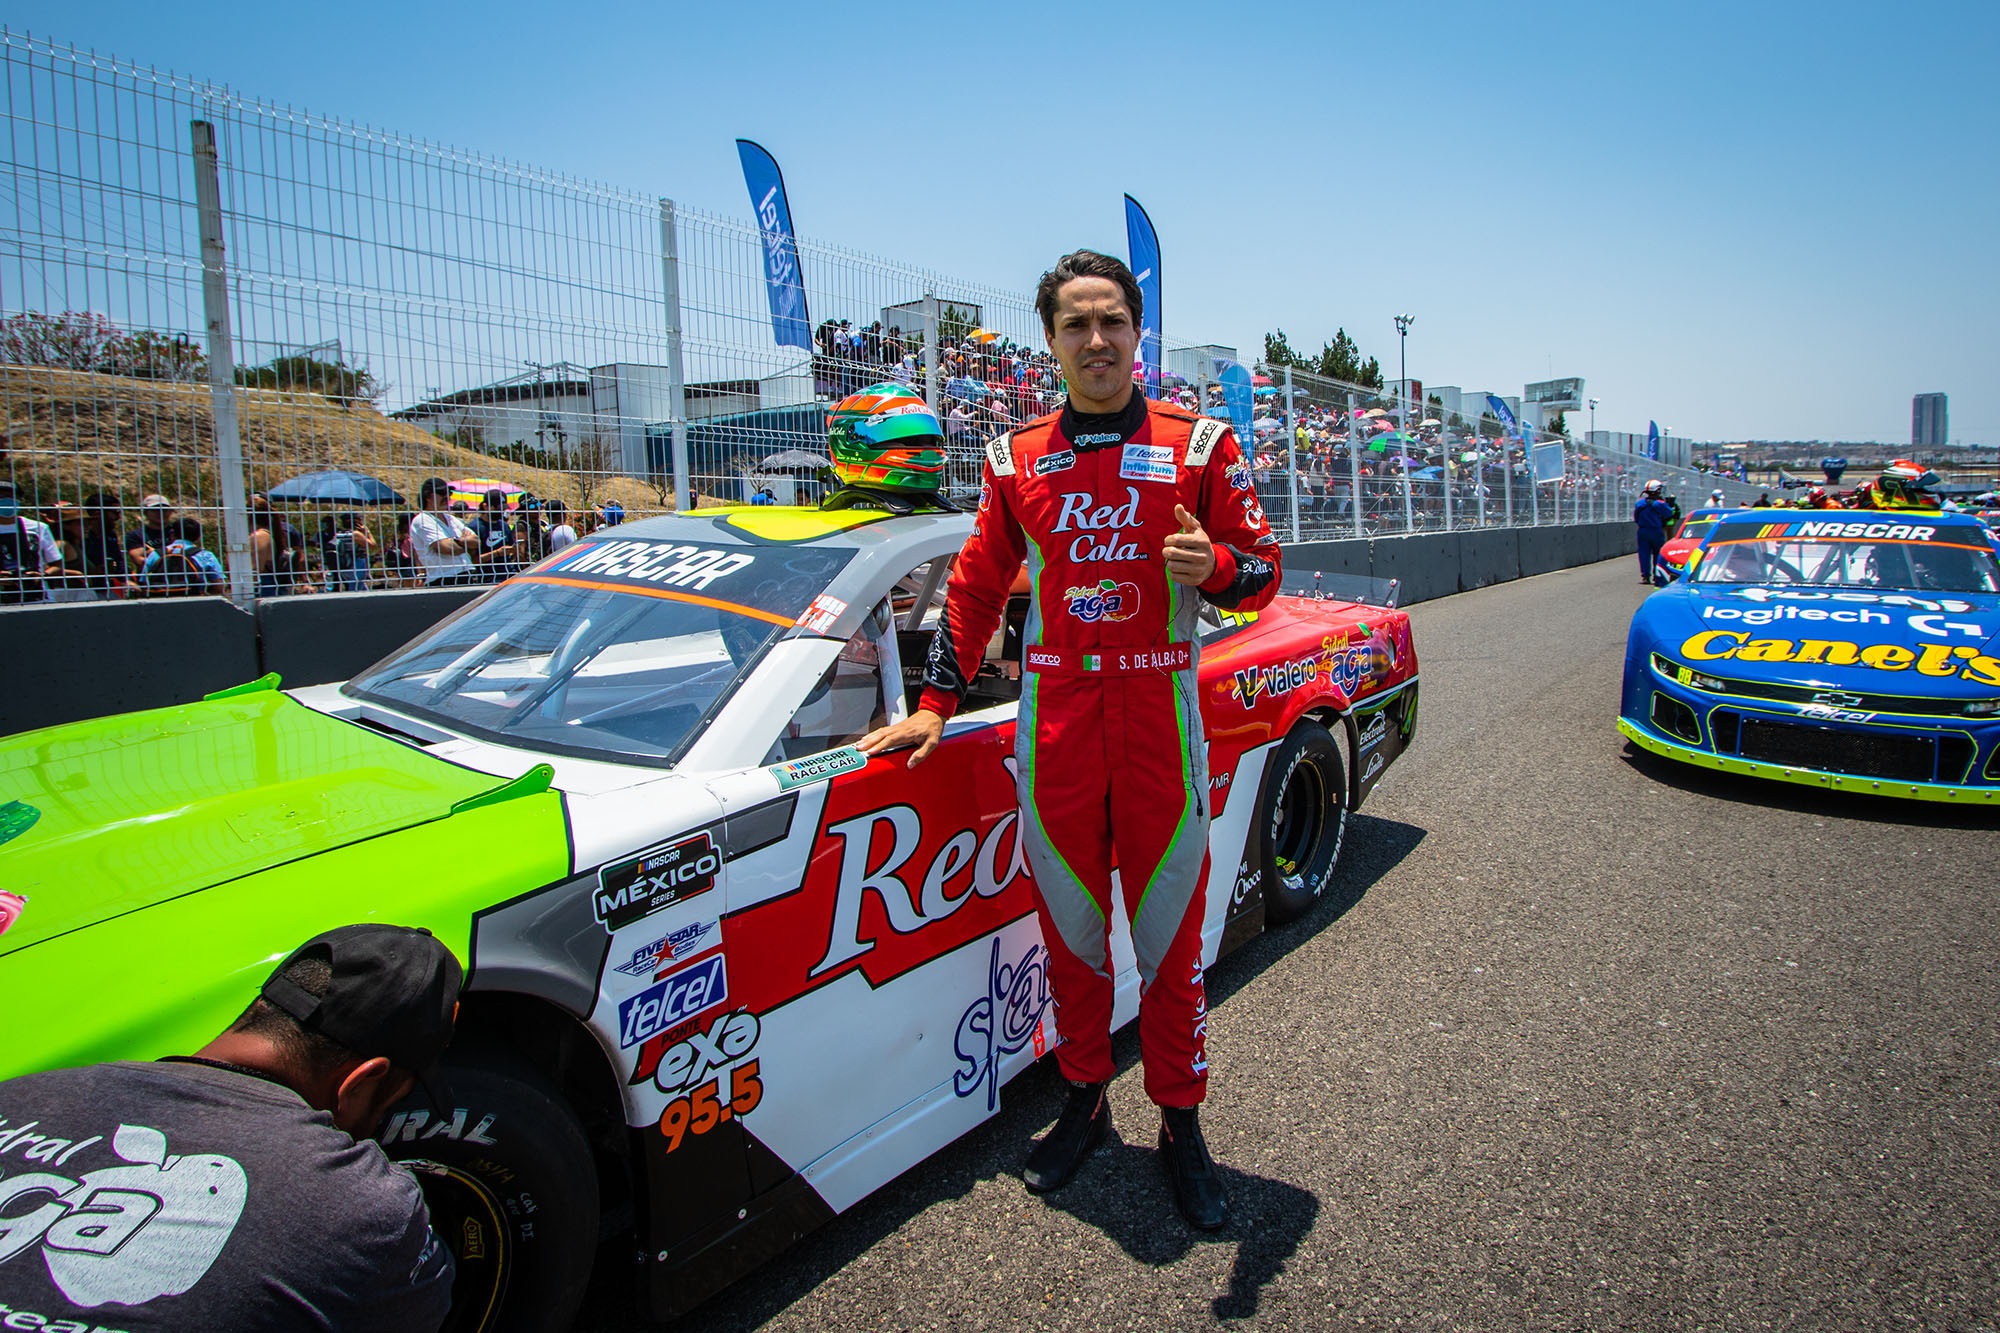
(222,366)
(1506,480)
(1292,452)
(1354,458)
(933,373)
(670,269)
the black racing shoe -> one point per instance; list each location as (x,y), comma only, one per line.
(1082,1126)
(1197,1184)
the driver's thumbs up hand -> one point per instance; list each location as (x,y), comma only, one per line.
(1189,555)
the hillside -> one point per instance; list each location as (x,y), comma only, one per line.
(68,433)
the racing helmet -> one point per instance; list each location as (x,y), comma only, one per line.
(1654,488)
(1815,497)
(1715,496)
(886,438)
(1906,485)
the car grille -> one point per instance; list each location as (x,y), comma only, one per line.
(1869,754)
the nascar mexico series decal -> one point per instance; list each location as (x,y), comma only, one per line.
(653,881)
(803,772)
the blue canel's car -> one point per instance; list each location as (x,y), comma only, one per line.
(1838,648)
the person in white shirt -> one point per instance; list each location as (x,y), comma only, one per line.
(561,534)
(28,553)
(443,544)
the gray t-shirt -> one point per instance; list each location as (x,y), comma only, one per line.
(174,1195)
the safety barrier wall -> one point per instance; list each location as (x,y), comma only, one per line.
(93,659)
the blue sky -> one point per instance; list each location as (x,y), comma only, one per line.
(1745,221)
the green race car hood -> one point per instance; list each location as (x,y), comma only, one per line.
(134,810)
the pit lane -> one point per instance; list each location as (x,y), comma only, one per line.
(1592,1040)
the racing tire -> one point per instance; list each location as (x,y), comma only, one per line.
(512,1189)
(1301,822)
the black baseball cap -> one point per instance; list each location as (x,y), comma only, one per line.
(394,993)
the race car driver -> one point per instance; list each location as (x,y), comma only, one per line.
(1902,485)
(1126,512)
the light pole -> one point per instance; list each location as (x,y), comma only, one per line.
(1403,323)
(1593,421)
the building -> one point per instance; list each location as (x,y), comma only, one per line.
(1929,426)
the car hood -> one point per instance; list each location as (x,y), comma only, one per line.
(122,813)
(1710,627)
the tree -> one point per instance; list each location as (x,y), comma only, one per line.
(589,464)
(87,341)
(1339,359)
(335,380)
(1560,426)
(1278,352)
(954,325)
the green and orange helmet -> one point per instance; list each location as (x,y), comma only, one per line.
(886,438)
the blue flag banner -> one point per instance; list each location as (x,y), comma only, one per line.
(1501,410)
(784,282)
(1652,439)
(1241,400)
(1143,243)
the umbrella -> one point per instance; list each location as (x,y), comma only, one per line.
(472,490)
(793,460)
(336,487)
(1374,412)
(1260,380)
(969,389)
(981,336)
(1427,474)
(1430,421)
(1268,391)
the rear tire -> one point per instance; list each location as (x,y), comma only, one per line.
(512,1189)
(1301,822)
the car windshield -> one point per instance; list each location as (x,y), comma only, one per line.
(621,650)
(1694,529)
(1874,553)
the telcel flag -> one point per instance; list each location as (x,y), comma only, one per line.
(1652,439)
(784,282)
(1502,411)
(1143,243)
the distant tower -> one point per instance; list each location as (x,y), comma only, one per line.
(1927,421)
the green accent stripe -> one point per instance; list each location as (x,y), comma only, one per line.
(1030,688)
(1808,777)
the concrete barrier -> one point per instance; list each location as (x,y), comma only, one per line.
(1426,564)
(1541,550)
(1487,556)
(1353,555)
(69,661)
(315,639)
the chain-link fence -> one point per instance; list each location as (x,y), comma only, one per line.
(233,328)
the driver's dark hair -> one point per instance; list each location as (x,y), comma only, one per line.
(313,1053)
(1086,264)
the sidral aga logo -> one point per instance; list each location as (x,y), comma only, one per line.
(1238,476)
(1002,1021)
(1109,601)
(1346,666)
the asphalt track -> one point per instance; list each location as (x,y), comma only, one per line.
(1590,1040)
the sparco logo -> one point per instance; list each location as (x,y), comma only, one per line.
(1080,511)
(1042,658)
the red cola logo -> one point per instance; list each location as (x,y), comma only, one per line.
(1101,526)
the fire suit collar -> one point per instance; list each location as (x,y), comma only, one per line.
(1090,431)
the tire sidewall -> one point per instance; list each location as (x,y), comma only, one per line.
(1306,743)
(511,1133)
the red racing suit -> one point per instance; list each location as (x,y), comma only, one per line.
(1112,768)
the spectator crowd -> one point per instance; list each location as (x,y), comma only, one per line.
(91,550)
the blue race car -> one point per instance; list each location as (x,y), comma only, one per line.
(1838,648)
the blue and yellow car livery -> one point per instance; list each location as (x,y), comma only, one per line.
(1857,650)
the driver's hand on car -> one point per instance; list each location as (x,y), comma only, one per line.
(921,729)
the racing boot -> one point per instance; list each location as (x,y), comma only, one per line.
(1082,1126)
(1197,1184)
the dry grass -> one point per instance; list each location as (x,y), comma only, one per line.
(69,433)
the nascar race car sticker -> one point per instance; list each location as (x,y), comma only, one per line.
(16,818)
(1931,659)
(1347,665)
(655,880)
(1939,625)
(1373,732)
(1903,599)
(667,564)
(1004,1021)
(818,767)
